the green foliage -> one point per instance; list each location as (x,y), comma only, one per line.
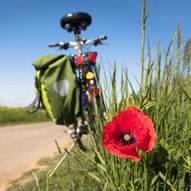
(164,95)
(10,116)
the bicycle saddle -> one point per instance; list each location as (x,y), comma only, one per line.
(75,21)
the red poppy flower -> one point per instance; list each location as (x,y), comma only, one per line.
(131,129)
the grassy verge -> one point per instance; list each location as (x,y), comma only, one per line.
(28,180)
(13,116)
(72,175)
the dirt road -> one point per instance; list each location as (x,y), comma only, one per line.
(22,146)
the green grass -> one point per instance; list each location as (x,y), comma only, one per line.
(13,116)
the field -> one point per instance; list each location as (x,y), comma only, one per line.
(13,116)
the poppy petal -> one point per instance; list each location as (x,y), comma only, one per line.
(126,154)
(149,139)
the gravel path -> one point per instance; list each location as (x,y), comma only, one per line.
(22,146)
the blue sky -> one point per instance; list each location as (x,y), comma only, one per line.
(28,26)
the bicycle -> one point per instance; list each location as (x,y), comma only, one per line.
(85,71)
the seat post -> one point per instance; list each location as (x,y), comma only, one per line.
(77,33)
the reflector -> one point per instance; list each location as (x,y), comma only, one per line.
(88,57)
(79,59)
(94,91)
(92,56)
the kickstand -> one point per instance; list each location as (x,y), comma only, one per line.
(61,160)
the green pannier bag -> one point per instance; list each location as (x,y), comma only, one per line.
(57,89)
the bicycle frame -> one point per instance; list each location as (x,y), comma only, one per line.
(84,68)
(84,65)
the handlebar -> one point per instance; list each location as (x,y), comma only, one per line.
(53,44)
(61,44)
(94,41)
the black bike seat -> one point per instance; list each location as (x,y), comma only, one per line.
(73,21)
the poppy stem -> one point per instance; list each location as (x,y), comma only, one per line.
(145,177)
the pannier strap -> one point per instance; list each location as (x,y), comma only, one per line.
(35,105)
